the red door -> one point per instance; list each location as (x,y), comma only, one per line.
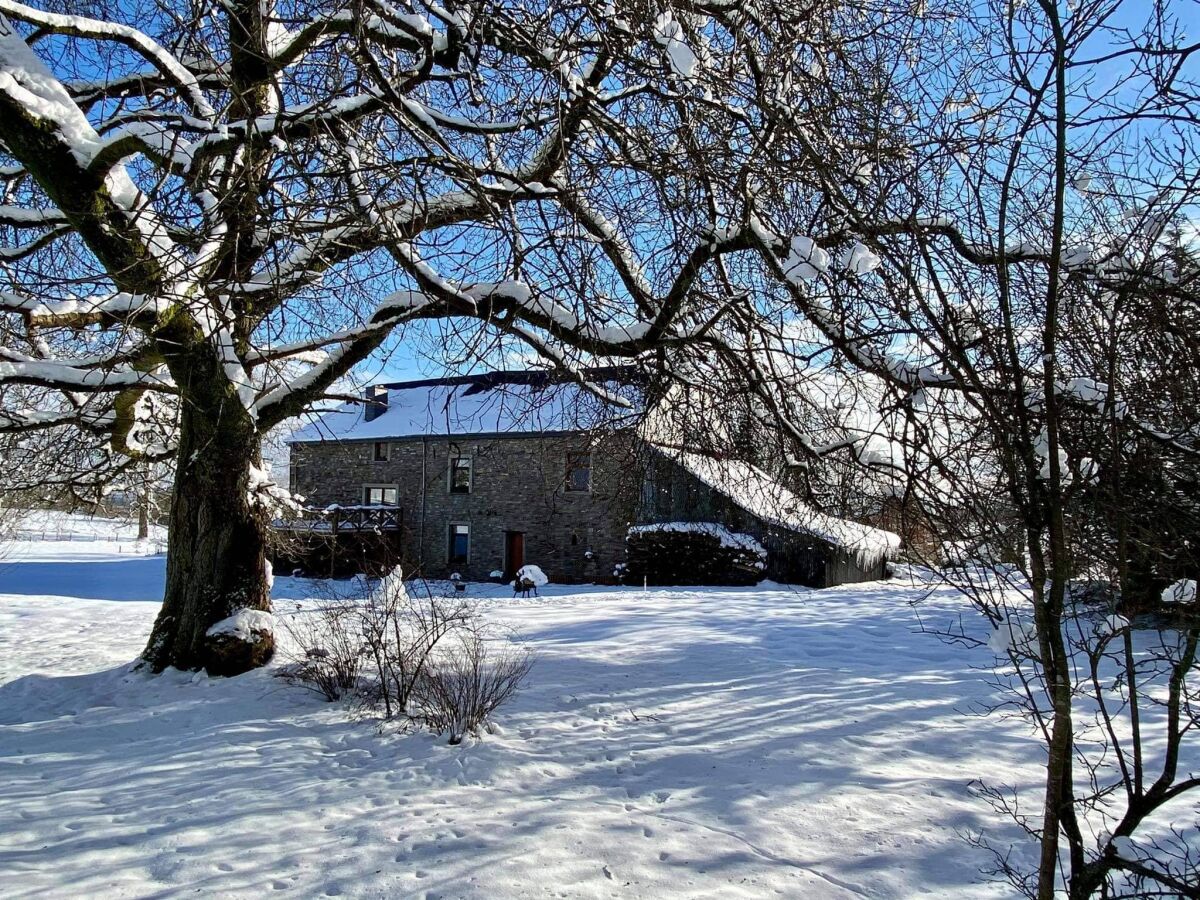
(514,553)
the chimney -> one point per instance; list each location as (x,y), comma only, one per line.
(377,402)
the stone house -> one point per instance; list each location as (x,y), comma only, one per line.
(491,472)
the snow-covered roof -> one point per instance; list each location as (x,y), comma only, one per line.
(495,403)
(753,490)
(727,538)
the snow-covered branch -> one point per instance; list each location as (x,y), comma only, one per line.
(81,26)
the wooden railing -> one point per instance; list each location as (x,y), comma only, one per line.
(346,519)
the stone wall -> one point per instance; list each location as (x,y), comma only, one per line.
(673,494)
(518,485)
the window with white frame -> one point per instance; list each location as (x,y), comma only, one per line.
(380,494)
(460,543)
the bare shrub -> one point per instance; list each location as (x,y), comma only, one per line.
(328,649)
(477,672)
(400,633)
(430,661)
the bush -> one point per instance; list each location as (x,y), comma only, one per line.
(474,676)
(325,651)
(430,661)
(400,634)
(692,553)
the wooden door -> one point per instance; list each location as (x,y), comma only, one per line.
(514,553)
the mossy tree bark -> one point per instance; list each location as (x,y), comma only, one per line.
(216,561)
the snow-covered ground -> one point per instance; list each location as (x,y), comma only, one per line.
(53,536)
(685,743)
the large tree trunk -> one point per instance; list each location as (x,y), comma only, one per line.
(216,561)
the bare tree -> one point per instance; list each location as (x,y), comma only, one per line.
(13,510)
(247,199)
(1026,349)
(218,209)
(1031,332)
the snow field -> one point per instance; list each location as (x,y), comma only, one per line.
(687,743)
(53,536)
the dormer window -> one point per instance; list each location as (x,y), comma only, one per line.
(460,474)
(383,451)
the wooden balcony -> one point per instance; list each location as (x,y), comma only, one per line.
(335,520)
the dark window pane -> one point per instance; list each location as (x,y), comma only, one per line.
(460,475)
(460,543)
(381,451)
(579,472)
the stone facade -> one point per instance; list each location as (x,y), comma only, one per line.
(518,486)
(520,497)
(670,493)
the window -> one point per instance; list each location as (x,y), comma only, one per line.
(460,474)
(579,472)
(460,543)
(380,494)
(382,451)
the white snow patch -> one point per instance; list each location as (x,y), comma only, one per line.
(1041,446)
(859,259)
(533,574)
(670,35)
(465,409)
(1182,591)
(243,624)
(805,260)
(742,742)
(262,490)
(1014,634)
